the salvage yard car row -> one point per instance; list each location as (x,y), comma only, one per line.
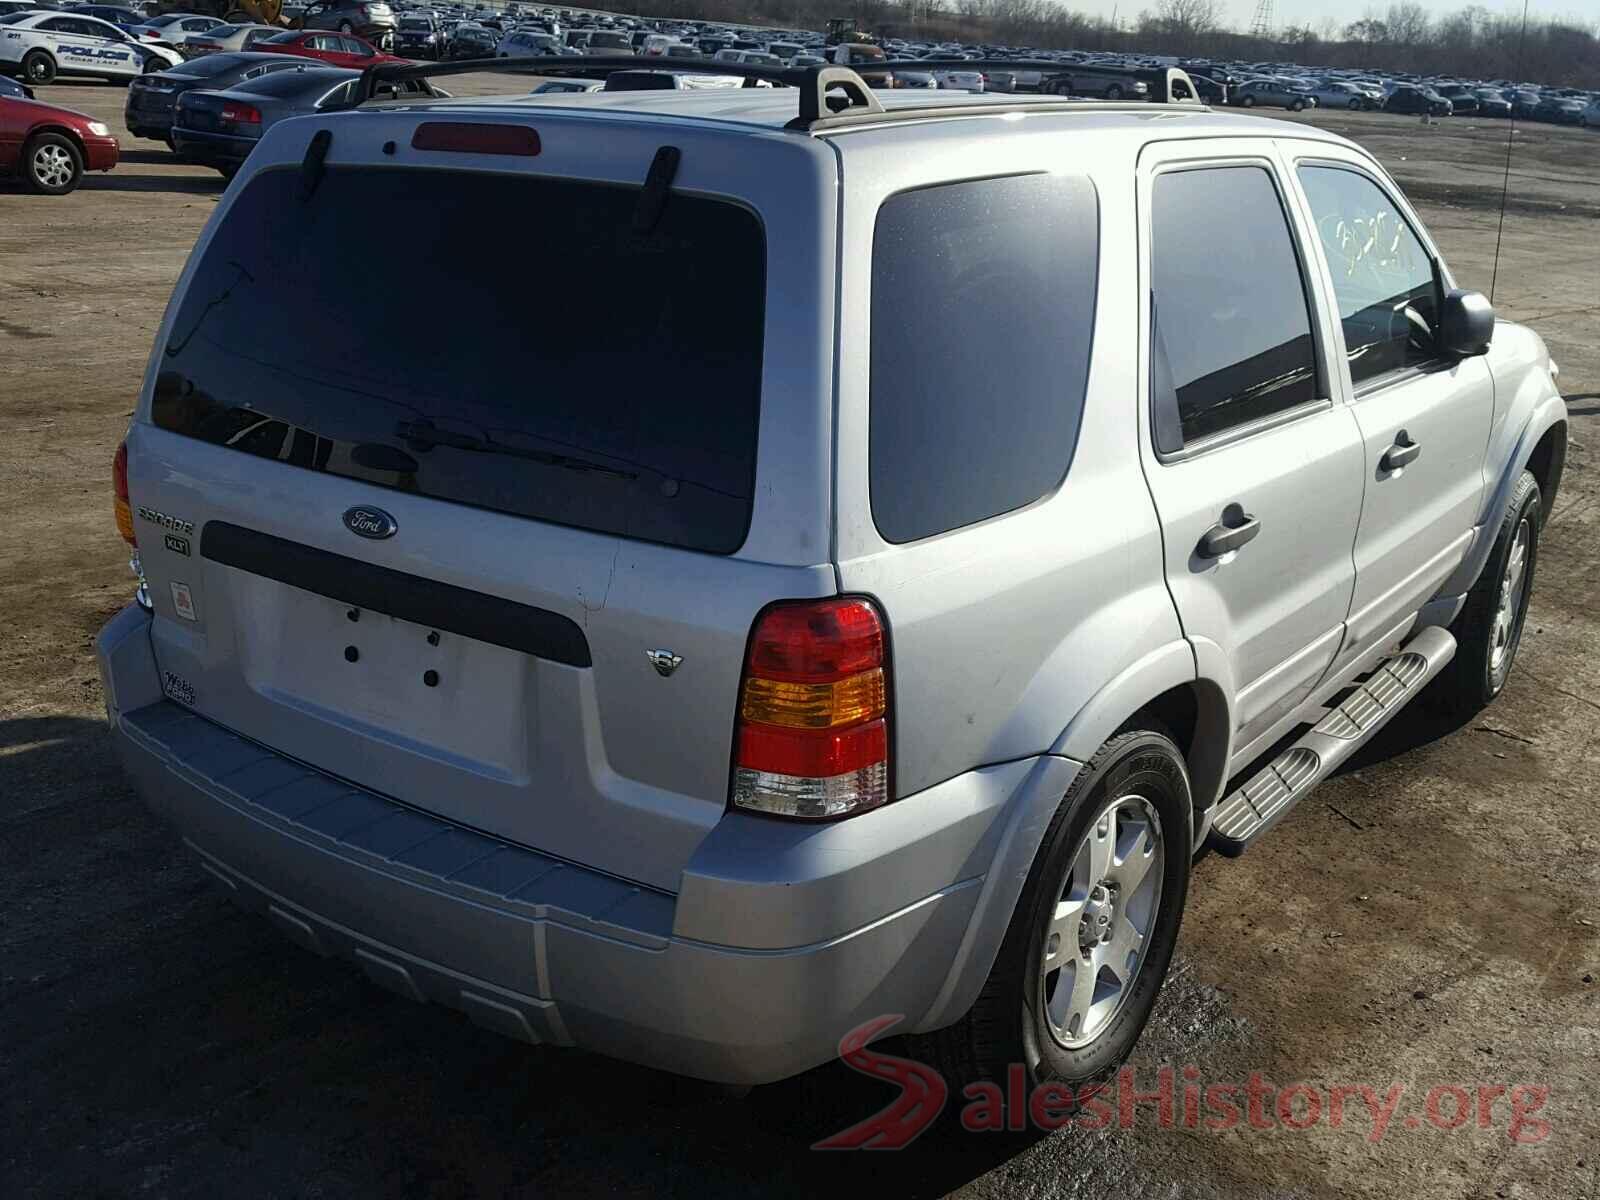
(193,85)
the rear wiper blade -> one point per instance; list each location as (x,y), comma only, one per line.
(424,435)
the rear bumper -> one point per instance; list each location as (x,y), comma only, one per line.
(212,149)
(782,938)
(148,122)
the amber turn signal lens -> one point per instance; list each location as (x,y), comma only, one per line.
(814,705)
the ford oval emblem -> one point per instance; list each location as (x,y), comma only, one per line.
(368,522)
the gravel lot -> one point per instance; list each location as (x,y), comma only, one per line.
(1428,919)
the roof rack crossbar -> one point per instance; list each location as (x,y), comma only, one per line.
(816,104)
(560,65)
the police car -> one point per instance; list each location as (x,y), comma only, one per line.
(41,45)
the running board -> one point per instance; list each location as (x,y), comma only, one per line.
(1252,809)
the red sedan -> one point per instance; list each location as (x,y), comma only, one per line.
(50,148)
(335,49)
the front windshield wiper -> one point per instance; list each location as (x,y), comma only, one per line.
(425,435)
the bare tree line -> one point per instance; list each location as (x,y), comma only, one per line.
(1472,42)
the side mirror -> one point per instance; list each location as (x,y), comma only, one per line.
(1466,323)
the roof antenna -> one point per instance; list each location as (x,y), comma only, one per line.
(1511,137)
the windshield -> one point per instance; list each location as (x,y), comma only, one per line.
(551,402)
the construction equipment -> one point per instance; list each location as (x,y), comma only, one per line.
(235,12)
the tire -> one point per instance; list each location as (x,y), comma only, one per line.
(52,165)
(1355,105)
(38,67)
(1114,92)
(153,66)
(1297,106)
(1248,102)
(1487,639)
(1143,772)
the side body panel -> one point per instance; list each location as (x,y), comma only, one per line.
(1274,608)
(1002,631)
(1417,520)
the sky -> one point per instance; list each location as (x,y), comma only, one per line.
(1239,13)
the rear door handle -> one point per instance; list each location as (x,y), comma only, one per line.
(1222,538)
(1402,452)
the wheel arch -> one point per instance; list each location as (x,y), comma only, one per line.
(66,131)
(1182,688)
(55,63)
(1548,461)
(1164,688)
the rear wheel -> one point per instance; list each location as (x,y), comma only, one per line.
(51,164)
(1297,105)
(1248,102)
(1093,932)
(1489,629)
(38,67)
(1355,104)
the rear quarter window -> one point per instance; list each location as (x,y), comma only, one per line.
(983,308)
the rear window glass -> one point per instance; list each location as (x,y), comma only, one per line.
(293,81)
(574,371)
(983,302)
(209,66)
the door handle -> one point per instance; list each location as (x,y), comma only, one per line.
(1223,538)
(1402,452)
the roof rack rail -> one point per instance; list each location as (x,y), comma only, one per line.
(831,96)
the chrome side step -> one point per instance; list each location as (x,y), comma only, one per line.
(1261,802)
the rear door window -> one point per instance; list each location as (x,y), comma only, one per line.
(983,304)
(578,372)
(1231,328)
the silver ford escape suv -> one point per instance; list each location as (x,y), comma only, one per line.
(840,560)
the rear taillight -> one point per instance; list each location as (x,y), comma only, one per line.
(241,114)
(812,738)
(119,487)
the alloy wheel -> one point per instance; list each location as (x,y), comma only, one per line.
(1513,594)
(52,166)
(1099,931)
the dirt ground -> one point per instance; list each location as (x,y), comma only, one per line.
(1429,919)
